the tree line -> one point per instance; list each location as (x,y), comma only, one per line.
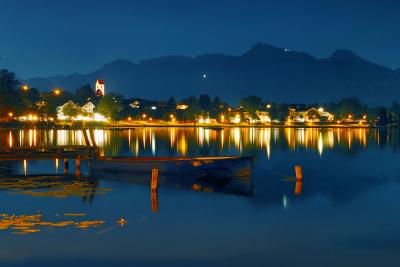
(16,98)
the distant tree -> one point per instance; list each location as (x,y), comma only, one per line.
(382,117)
(110,105)
(251,104)
(193,110)
(10,99)
(8,81)
(84,94)
(52,101)
(396,113)
(216,103)
(171,104)
(216,107)
(205,102)
(29,98)
(348,106)
(70,109)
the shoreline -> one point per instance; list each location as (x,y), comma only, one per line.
(123,126)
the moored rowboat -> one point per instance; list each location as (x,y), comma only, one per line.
(214,167)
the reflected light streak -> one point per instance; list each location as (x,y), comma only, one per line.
(10,139)
(320,144)
(30,137)
(222,138)
(182,145)
(153,144)
(25,166)
(57,165)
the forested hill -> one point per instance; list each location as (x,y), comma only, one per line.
(272,73)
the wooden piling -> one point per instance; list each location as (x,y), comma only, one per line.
(299,173)
(154,179)
(154,201)
(78,167)
(92,138)
(86,137)
(66,166)
(298,188)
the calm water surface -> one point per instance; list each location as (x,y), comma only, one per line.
(345,213)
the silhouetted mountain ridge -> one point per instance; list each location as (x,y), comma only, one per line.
(272,73)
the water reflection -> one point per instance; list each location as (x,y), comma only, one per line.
(194,141)
(350,177)
(58,186)
(26,224)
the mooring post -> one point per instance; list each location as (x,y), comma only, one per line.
(298,188)
(154,201)
(86,137)
(78,166)
(299,180)
(154,179)
(154,186)
(299,173)
(66,166)
(93,139)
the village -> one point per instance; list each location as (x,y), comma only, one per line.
(94,107)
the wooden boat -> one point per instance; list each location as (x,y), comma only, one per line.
(206,167)
(241,186)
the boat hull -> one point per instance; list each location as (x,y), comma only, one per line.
(206,167)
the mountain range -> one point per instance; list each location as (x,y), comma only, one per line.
(270,72)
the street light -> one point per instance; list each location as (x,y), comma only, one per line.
(25,87)
(57,91)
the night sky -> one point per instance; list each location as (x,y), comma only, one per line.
(43,38)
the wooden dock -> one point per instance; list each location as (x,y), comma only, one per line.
(65,153)
(49,152)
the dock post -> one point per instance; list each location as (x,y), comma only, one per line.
(154,201)
(299,173)
(154,179)
(66,166)
(86,137)
(298,188)
(92,138)
(154,186)
(78,166)
(299,180)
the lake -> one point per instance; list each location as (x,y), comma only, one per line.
(344,213)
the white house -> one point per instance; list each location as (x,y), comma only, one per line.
(88,108)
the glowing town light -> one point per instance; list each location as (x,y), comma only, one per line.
(269,106)
(320,110)
(99,117)
(57,91)
(222,118)
(153,107)
(236,119)
(10,114)
(25,87)
(144,116)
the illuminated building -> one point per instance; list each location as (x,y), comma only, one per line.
(100,88)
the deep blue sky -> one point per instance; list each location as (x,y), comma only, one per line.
(42,38)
